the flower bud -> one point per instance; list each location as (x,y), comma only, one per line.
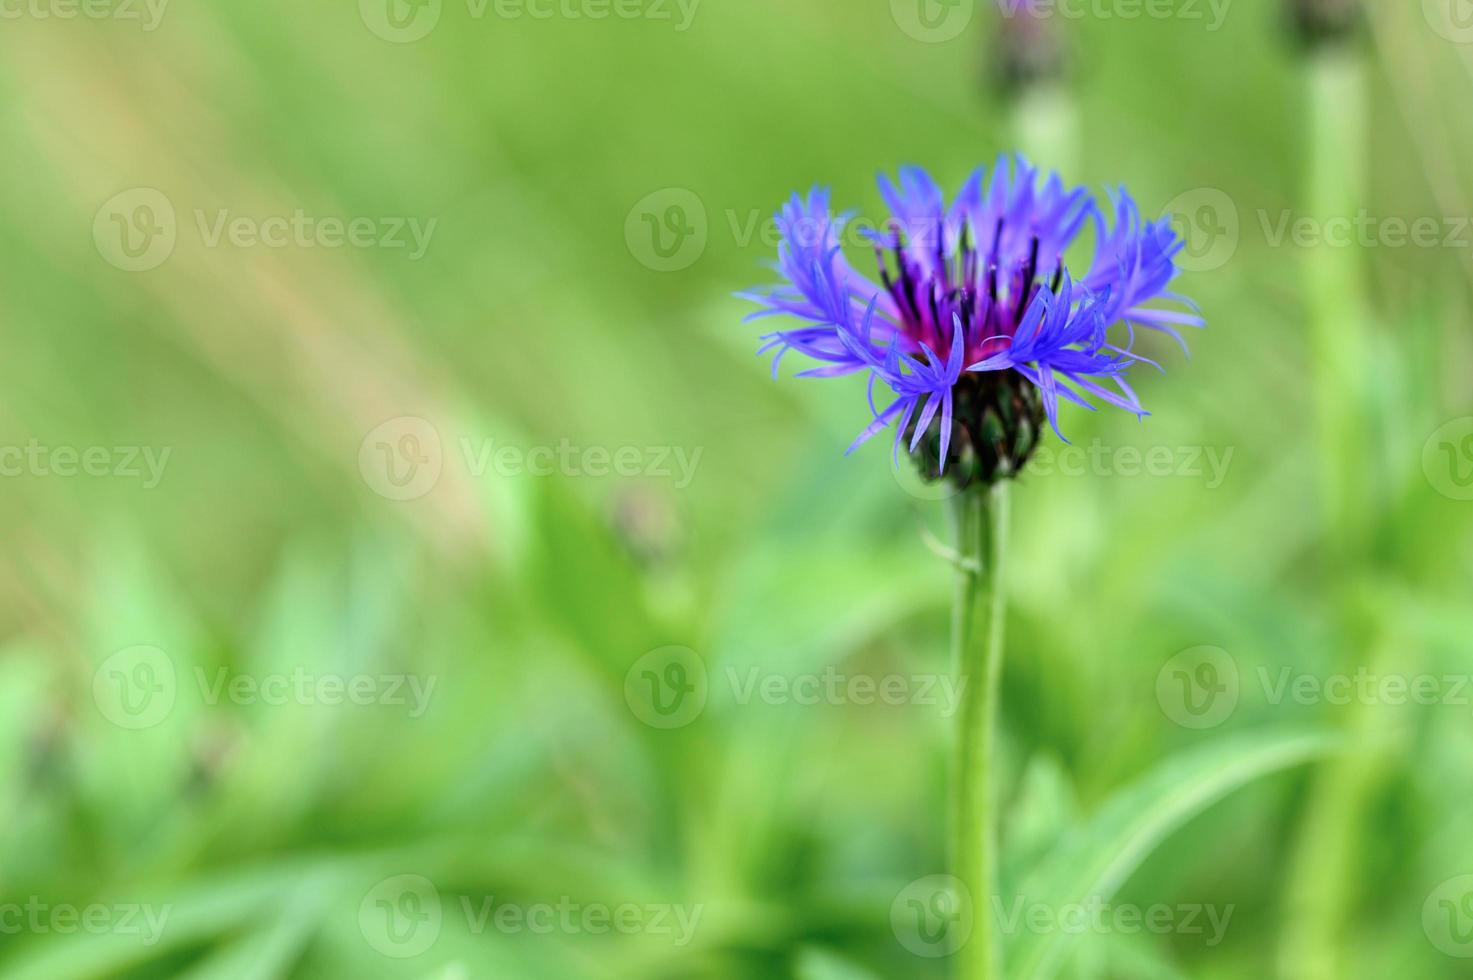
(997,421)
(1027,48)
(1319,22)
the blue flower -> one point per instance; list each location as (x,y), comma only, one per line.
(976,326)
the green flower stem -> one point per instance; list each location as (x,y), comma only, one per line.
(1045,125)
(980,523)
(1337,111)
(1329,837)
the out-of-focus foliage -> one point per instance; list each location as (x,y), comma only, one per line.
(258,719)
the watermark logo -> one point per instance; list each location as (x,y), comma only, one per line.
(407,21)
(1447,459)
(1209,464)
(298,229)
(34,916)
(1211,13)
(402,459)
(933,21)
(831,687)
(143,463)
(1099,917)
(1364,230)
(136,230)
(148,13)
(1208,223)
(1452,19)
(667,230)
(1447,917)
(1199,688)
(138,687)
(401,916)
(932,916)
(297,686)
(676,463)
(667,688)
(135,688)
(401,21)
(677,923)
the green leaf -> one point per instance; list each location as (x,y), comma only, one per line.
(1096,859)
(270,953)
(168,922)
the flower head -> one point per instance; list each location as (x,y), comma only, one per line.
(975,325)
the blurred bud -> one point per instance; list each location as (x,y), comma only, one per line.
(1027,49)
(214,748)
(1317,22)
(645,524)
(46,755)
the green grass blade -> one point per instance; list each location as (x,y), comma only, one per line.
(1095,860)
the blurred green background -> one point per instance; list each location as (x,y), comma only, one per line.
(339,562)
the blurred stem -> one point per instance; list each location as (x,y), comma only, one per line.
(1045,126)
(1321,868)
(1335,301)
(980,523)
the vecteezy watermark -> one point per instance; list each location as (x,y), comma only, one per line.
(402,917)
(676,463)
(1447,459)
(144,463)
(138,687)
(137,230)
(303,687)
(1202,687)
(404,458)
(1365,686)
(407,21)
(932,916)
(667,229)
(1207,221)
(135,688)
(1211,13)
(669,688)
(1365,230)
(565,916)
(146,922)
(1447,917)
(148,13)
(1099,917)
(298,229)
(1207,463)
(1198,688)
(835,688)
(933,21)
(1452,19)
